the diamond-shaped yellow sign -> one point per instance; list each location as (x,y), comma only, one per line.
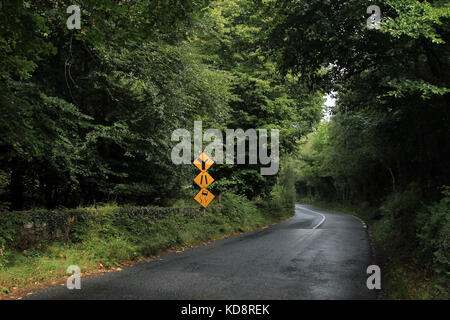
(203,162)
(204,197)
(203,180)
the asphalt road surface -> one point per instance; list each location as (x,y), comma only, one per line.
(317,254)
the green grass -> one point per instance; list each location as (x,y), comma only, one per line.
(402,277)
(111,239)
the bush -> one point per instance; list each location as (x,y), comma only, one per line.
(235,207)
(283,195)
(3,186)
(433,225)
(399,204)
(402,207)
(112,250)
(282,200)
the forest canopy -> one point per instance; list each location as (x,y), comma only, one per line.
(87,114)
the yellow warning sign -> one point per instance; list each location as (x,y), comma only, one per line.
(203,162)
(204,197)
(203,180)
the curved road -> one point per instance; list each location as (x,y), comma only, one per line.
(317,254)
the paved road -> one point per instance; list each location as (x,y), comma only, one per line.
(317,254)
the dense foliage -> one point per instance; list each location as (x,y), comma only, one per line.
(87,115)
(386,145)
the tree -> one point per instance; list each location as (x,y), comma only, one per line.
(263,98)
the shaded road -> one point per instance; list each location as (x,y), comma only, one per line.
(317,254)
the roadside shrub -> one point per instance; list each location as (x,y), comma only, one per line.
(281,201)
(3,186)
(433,224)
(8,229)
(385,237)
(402,207)
(282,198)
(399,204)
(235,207)
(113,250)
(275,203)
